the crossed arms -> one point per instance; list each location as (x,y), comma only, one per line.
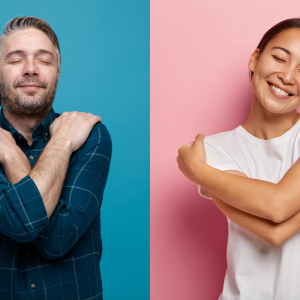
(269,211)
(41,204)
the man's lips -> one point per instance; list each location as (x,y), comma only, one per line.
(30,86)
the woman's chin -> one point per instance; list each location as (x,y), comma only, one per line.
(278,107)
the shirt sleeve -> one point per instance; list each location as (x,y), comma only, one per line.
(217,158)
(81,195)
(22,212)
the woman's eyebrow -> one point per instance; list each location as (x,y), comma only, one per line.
(283,49)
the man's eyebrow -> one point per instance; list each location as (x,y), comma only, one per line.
(9,54)
(44,51)
(283,49)
(40,51)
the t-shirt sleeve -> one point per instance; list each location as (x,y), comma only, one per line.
(218,158)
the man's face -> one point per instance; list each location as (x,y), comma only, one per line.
(28,72)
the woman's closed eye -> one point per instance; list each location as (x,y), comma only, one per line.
(278,59)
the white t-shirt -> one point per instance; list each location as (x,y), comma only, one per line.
(256,270)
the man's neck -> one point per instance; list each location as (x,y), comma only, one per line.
(267,125)
(23,125)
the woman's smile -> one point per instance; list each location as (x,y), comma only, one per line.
(278,92)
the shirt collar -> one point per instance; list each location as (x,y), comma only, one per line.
(40,129)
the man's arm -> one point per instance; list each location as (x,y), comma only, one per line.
(81,196)
(22,210)
(68,133)
(276,202)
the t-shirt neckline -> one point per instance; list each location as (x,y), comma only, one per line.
(277,140)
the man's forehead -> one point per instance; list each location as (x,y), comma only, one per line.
(27,40)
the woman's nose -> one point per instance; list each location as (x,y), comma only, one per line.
(288,76)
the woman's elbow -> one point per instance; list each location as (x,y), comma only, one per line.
(278,217)
(278,214)
(276,237)
(274,241)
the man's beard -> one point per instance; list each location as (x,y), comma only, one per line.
(20,108)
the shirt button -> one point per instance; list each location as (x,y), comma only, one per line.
(28,253)
(20,138)
(31,157)
(33,285)
(46,134)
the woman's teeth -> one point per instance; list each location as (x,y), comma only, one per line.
(279,91)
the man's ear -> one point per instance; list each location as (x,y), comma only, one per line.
(253,60)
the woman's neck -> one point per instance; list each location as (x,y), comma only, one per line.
(266,125)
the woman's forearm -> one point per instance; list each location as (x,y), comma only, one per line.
(253,196)
(276,202)
(266,230)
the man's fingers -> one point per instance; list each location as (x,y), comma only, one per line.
(95,119)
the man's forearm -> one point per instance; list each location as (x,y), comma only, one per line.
(50,171)
(16,165)
(68,133)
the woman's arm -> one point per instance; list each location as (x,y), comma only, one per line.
(276,202)
(266,230)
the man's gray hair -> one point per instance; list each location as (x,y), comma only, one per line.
(20,23)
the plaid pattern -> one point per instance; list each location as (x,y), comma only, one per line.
(56,258)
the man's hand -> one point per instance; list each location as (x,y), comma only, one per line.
(14,161)
(68,133)
(191,156)
(73,127)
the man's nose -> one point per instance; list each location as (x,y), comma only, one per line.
(30,68)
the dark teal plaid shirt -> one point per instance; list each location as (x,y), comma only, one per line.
(56,258)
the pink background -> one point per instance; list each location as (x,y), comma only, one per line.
(199,82)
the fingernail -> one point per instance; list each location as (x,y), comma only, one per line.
(201,133)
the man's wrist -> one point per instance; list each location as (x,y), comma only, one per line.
(61,144)
(9,157)
(16,165)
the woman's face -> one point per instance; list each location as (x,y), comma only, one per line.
(276,78)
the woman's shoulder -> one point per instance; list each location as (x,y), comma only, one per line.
(223,138)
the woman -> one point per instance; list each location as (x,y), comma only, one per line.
(263,252)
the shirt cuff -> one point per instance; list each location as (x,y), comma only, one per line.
(202,191)
(28,203)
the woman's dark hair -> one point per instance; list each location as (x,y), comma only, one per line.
(274,31)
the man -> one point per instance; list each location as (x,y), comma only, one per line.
(52,175)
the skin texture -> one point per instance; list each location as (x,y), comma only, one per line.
(30,74)
(269,211)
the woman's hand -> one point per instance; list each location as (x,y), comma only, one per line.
(191,156)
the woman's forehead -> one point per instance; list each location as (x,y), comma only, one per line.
(287,36)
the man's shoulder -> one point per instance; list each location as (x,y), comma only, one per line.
(99,131)
(99,136)
(98,142)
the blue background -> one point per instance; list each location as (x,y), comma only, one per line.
(105,47)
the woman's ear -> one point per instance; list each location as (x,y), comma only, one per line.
(253,60)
